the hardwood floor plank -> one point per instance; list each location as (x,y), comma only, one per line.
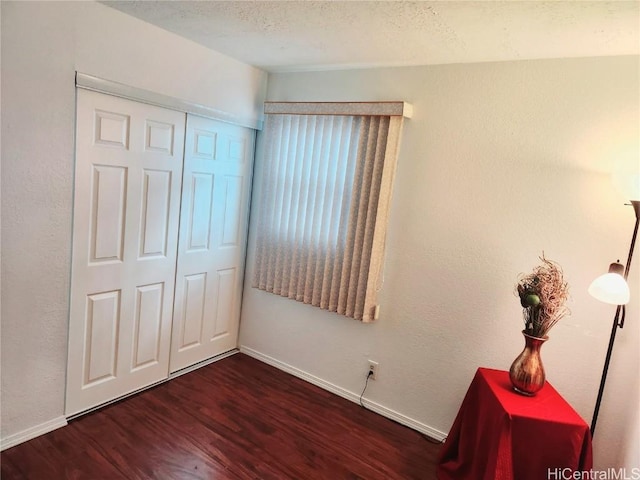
(61,455)
(234,419)
(9,470)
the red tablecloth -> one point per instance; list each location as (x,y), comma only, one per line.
(499,434)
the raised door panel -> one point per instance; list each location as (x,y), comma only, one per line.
(198,212)
(101,341)
(159,137)
(156,209)
(224,303)
(129,159)
(108,201)
(192,312)
(232,211)
(111,129)
(147,325)
(215,201)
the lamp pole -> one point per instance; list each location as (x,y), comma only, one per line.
(618,319)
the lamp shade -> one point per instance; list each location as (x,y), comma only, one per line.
(626,177)
(611,287)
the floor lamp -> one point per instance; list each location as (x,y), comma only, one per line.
(612,287)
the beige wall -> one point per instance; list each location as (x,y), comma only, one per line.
(501,162)
(43,44)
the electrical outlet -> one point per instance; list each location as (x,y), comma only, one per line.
(373,370)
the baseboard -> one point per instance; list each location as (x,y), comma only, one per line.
(373,406)
(33,432)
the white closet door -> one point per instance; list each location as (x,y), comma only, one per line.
(213,228)
(127,198)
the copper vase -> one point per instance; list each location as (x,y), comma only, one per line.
(526,372)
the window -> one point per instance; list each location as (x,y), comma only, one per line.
(324,200)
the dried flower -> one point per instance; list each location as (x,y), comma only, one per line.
(543,294)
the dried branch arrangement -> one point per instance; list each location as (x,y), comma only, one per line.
(543,294)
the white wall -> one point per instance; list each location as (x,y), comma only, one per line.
(501,162)
(43,44)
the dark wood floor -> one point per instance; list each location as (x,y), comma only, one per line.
(234,419)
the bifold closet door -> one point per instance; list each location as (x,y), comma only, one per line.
(218,162)
(129,159)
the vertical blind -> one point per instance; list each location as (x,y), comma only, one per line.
(324,201)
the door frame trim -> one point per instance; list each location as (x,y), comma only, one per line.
(97,84)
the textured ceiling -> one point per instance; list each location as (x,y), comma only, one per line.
(307,35)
